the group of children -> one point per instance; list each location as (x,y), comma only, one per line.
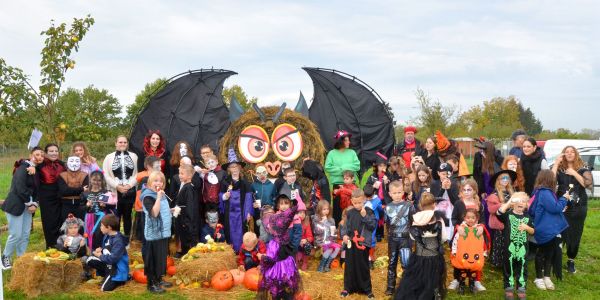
(270,226)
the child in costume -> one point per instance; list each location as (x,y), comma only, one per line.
(188,220)
(111,261)
(212,177)
(374,203)
(344,192)
(264,194)
(469,250)
(398,216)
(425,275)
(325,235)
(379,182)
(291,187)
(235,202)
(320,185)
(251,253)
(517,225)
(280,276)
(357,235)
(98,203)
(306,241)
(212,228)
(72,241)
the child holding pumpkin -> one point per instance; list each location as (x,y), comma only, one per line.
(280,276)
(325,235)
(469,250)
(517,225)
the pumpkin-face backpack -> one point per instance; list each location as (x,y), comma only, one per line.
(469,250)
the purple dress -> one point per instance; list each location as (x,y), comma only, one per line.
(280,276)
(235,210)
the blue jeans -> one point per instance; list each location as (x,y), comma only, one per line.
(19,228)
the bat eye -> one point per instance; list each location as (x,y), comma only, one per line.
(466,256)
(253,144)
(287,142)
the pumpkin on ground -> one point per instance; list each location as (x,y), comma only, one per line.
(238,276)
(335,264)
(170,261)
(302,296)
(171,270)
(251,279)
(222,281)
(139,276)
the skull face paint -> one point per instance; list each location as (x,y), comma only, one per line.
(183,149)
(73,163)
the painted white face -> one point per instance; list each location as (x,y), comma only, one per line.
(183,150)
(73,163)
(211,164)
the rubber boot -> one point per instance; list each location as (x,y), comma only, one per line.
(322,265)
(327,267)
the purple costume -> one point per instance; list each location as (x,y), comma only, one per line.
(280,276)
(235,210)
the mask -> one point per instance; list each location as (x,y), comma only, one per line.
(182,149)
(156,166)
(212,217)
(73,163)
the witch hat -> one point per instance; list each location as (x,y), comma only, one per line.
(232,159)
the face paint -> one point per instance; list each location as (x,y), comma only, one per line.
(156,166)
(211,164)
(212,217)
(183,149)
(74,163)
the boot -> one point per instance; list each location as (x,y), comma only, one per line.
(461,288)
(328,264)
(322,264)
(154,287)
(472,286)
(391,282)
(164,284)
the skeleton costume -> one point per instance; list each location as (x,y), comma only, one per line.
(120,168)
(515,249)
(70,188)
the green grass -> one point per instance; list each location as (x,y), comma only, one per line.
(583,285)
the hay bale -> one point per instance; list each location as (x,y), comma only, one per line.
(207,264)
(37,278)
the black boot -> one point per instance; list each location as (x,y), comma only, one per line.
(327,267)
(461,288)
(154,287)
(472,286)
(322,265)
(391,282)
(164,284)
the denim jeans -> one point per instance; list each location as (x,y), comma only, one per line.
(19,228)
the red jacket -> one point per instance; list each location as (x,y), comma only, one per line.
(307,232)
(260,248)
(345,194)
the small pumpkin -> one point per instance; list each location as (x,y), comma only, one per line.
(222,281)
(238,276)
(171,270)
(170,261)
(139,276)
(302,296)
(335,264)
(251,279)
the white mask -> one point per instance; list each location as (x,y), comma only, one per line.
(182,150)
(211,164)
(73,163)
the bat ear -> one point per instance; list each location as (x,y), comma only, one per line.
(279,112)
(260,112)
(235,109)
(301,106)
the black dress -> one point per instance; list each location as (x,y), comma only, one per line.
(576,212)
(357,276)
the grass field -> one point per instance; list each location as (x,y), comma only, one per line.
(583,285)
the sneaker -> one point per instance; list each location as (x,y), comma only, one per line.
(344,294)
(521,294)
(6,263)
(371,296)
(479,287)
(548,283)
(453,285)
(509,294)
(571,266)
(461,288)
(539,283)
(389,292)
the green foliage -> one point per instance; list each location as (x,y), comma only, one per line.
(562,133)
(434,116)
(240,95)
(531,124)
(17,94)
(496,118)
(88,115)
(135,108)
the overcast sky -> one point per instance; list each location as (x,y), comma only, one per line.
(546,53)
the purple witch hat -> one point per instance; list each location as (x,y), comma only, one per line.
(232,159)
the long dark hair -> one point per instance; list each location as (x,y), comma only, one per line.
(490,158)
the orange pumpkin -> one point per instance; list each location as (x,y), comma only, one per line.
(302,296)
(170,261)
(139,276)
(469,250)
(222,281)
(171,270)
(251,279)
(238,276)
(335,264)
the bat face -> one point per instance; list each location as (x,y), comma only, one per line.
(273,144)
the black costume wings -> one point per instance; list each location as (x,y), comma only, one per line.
(344,102)
(190,107)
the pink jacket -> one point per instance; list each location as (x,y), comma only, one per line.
(493,203)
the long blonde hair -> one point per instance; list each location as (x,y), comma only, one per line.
(501,190)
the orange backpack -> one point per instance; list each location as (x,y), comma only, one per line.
(469,250)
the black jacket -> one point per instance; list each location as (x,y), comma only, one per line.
(532,164)
(22,189)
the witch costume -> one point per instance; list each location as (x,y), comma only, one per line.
(280,276)
(238,207)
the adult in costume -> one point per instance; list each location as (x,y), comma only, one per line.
(120,170)
(71,183)
(50,204)
(409,145)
